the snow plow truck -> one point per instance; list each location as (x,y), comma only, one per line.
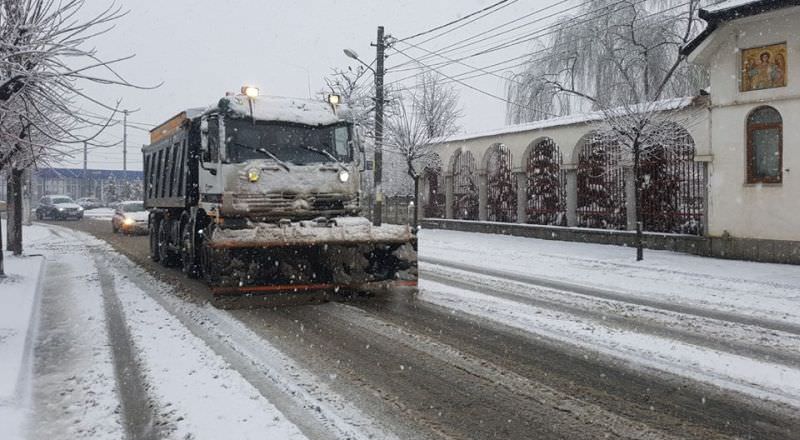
(260,196)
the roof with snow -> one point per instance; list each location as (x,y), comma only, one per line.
(726,11)
(281,109)
(580,118)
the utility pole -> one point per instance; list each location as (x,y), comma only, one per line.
(124,140)
(85,160)
(380,45)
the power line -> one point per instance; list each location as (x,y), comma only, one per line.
(492,95)
(539,33)
(451,47)
(530,57)
(458,20)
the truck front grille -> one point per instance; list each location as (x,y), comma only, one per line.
(293,204)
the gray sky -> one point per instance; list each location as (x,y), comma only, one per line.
(200,49)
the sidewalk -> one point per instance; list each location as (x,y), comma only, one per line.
(760,290)
(19,303)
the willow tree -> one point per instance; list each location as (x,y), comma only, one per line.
(610,50)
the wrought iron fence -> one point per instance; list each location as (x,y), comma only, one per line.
(601,184)
(672,187)
(546,185)
(465,187)
(433,182)
(501,203)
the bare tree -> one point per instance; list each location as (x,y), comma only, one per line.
(642,59)
(419,116)
(45,62)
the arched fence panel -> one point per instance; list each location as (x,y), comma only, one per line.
(546,185)
(601,184)
(501,191)
(465,186)
(434,191)
(672,194)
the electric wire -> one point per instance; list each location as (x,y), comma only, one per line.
(458,20)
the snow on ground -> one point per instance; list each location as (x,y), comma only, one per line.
(762,290)
(199,394)
(18,303)
(689,346)
(74,388)
(195,392)
(99,213)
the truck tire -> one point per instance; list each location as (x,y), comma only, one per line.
(155,226)
(189,242)
(167,257)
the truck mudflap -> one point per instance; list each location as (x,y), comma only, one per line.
(310,257)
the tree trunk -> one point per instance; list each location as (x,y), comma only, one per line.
(9,208)
(15,215)
(2,268)
(415,216)
(637,199)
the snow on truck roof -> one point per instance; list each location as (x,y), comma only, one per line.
(265,108)
(281,109)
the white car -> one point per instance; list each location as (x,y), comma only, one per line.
(130,217)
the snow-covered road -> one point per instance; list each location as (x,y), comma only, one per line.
(732,324)
(505,334)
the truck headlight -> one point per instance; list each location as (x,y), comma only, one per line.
(344,176)
(253,174)
(128,221)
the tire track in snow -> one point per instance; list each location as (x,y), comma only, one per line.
(136,409)
(318,413)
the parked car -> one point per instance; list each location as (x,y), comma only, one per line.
(89,203)
(130,217)
(59,208)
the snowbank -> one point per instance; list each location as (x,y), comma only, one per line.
(19,295)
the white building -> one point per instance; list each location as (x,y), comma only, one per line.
(734,184)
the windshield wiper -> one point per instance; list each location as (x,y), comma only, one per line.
(324,153)
(266,152)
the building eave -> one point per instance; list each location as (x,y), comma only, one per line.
(717,17)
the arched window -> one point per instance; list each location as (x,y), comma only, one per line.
(764,146)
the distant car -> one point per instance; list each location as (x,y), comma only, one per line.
(58,208)
(130,218)
(89,203)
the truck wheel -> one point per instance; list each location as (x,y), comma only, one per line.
(165,255)
(189,250)
(155,226)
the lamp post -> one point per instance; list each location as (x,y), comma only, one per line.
(379,73)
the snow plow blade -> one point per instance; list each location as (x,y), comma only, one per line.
(308,261)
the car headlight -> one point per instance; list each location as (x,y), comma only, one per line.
(253,174)
(60,209)
(127,221)
(80,208)
(344,176)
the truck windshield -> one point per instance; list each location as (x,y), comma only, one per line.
(288,142)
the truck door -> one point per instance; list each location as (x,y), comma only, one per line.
(209,174)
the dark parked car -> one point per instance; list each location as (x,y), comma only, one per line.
(130,217)
(89,203)
(58,207)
